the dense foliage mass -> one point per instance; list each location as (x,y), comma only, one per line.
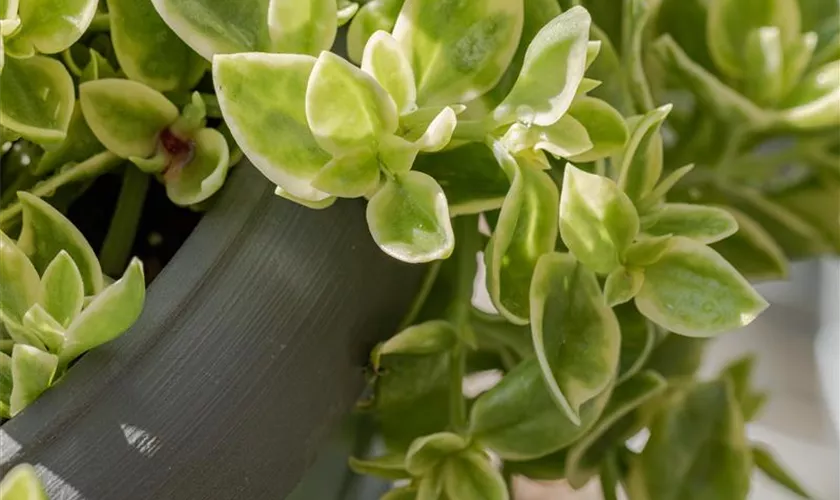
(622,169)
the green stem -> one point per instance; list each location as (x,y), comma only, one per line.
(67,57)
(121,233)
(101,23)
(470,131)
(457,404)
(609,477)
(92,167)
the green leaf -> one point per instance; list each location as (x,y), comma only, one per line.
(732,21)
(262,100)
(402,493)
(665,186)
(427,452)
(622,285)
(110,313)
(409,219)
(638,337)
(20,285)
(5,382)
(470,177)
(722,101)
(739,373)
(430,487)
(46,232)
(797,56)
(551,467)
(51,26)
(375,15)
(551,72)
(349,176)
(213,27)
(519,419)
(384,60)
(700,223)
(141,38)
(79,145)
(396,154)
(526,229)
(404,383)
(536,14)
(346,11)
(794,234)
(431,337)
(22,483)
(752,250)
(203,174)
(818,203)
(815,102)
(62,289)
(32,374)
(770,466)
(471,476)
(49,332)
(604,126)
(565,138)
(8,11)
(699,439)
(647,250)
(616,425)
(38,99)
(439,132)
(576,334)
(473,44)
(605,68)
(693,291)
(597,220)
(345,107)
(391,466)
(640,163)
(490,328)
(677,357)
(126,116)
(302,26)
(636,14)
(764,56)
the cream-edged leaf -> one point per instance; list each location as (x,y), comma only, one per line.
(576,334)
(409,219)
(691,290)
(473,44)
(203,174)
(597,221)
(384,60)
(126,116)
(38,99)
(46,232)
(346,108)
(262,97)
(551,72)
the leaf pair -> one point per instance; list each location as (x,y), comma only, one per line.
(46,315)
(326,108)
(38,94)
(546,110)
(139,123)
(441,465)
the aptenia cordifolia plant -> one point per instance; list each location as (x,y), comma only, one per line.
(620,169)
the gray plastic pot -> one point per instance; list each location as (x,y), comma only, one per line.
(249,352)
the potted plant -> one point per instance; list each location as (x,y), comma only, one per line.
(609,259)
